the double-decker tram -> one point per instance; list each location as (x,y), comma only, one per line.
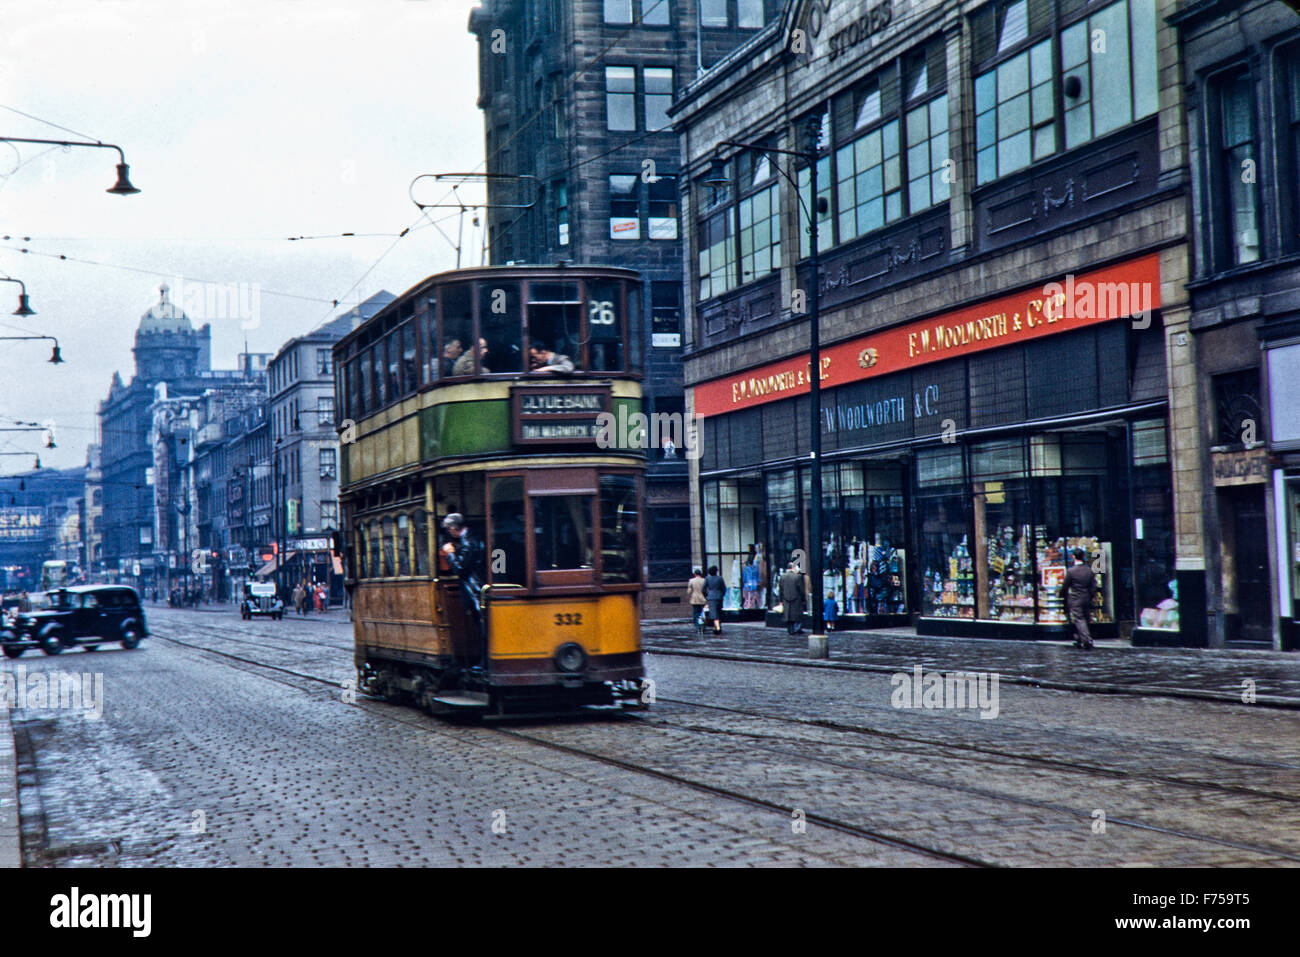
(492,527)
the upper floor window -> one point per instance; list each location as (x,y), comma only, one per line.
(1237,157)
(745,14)
(624,209)
(653,13)
(663,207)
(620,97)
(759,214)
(618,11)
(324,365)
(325,410)
(1101,66)
(328,462)
(658,97)
(715,232)
(1289,66)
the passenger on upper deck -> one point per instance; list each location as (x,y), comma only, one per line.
(543,360)
(465,364)
(451,351)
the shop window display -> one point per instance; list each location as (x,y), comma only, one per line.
(948,569)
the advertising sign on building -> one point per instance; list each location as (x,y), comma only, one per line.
(1066,304)
(20,524)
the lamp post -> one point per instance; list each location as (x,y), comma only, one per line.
(24,307)
(817,647)
(123,185)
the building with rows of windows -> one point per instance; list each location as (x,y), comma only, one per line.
(576,95)
(1241,65)
(304,436)
(1008,371)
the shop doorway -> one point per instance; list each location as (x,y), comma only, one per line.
(1244,559)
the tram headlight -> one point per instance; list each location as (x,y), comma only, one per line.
(570,657)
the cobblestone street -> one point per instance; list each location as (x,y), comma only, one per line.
(225,742)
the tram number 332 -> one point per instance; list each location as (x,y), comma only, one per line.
(568,618)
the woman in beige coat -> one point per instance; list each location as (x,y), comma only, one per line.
(695,595)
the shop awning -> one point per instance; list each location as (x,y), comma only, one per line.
(270,567)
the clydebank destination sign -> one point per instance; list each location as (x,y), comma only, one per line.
(1124,290)
(550,415)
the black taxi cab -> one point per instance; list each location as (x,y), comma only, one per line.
(86,615)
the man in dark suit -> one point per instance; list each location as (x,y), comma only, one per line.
(793,598)
(465,556)
(1080,587)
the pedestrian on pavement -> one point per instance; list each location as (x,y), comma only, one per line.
(1080,587)
(297,598)
(715,589)
(830,611)
(793,598)
(695,595)
(320,597)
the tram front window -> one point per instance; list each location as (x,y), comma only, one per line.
(562,531)
(620,529)
(498,318)
(555,321)
(509,548)
(457,332)
(604,327)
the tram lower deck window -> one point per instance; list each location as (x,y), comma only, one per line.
(562,531)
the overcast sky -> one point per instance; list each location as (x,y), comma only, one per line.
(244,123)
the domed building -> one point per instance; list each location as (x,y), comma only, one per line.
(172,358)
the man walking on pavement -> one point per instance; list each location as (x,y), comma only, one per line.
(1080,587)
(793,597)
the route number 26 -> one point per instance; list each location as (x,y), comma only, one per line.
(600,312)
(568,618)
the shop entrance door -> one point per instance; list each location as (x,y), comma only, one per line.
(1247,592)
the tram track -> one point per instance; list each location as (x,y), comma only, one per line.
(380,708)
(1054,763)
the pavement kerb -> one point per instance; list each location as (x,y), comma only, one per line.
(11,851)
(1267,701)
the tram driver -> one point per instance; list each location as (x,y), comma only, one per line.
(465,556)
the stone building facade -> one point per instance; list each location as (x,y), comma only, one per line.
(1008,370)
(304,428)
(575,94)
(1241,64)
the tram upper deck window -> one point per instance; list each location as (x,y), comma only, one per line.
(554,324)
(562,531)
(428,322)
(605,327)
(394,352)
(620,529)
(500,326)
(361,400)
(457,357)
(378,376)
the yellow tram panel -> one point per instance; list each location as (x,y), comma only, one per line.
(603,625)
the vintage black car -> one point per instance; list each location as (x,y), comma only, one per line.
(260,598)
(88,615)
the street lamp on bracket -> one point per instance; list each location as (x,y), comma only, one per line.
(123,185)
(716,177)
